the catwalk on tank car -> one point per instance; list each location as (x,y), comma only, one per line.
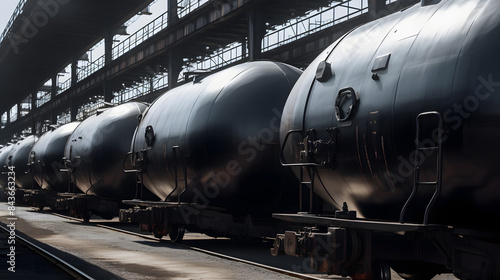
(397,123)
(209,150)
(93,157)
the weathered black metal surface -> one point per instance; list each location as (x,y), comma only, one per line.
(46,158)
(95,150)
(439,57)
(218,134)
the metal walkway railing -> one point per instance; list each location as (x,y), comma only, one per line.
(296,29)
(148,31)
(314,22)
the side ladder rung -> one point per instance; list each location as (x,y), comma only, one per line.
(427,183)
(428,148)
(417,165)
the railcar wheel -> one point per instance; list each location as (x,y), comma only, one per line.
(381,271)
(177,233)
(156,232)
(418,276)
(157,235)
(86,216)
(417,271)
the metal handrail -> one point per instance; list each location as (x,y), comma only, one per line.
(140,35)
(133,168)
(314,22)
(151,29)
(127,94)
(190,7)
(416,166)
(282,152)
(221,57)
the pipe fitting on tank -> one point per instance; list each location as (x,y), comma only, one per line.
(323,72)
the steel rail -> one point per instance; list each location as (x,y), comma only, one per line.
(215,254)
(63,265)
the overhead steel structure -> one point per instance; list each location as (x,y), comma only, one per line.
(45,36)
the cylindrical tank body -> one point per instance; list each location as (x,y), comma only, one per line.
(18,158)
(46,156)
(4,156)
(438,57)
(218,134)
(95,150)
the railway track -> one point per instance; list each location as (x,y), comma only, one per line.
(201,250)
(26,259)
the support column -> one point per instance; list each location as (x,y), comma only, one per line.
(377,9)
(53,93)
(256,32)
(8,117)
(34,130)
(243,47)
(34,97)
(173,17)
(108,47)
(53,117)
(106,90)
(174,68)
(73,109)
(74,75)
(53,90)
(18,111)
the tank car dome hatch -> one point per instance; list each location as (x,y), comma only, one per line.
(95,150)
(440,56)
(214,141)
(18,158)
(46,158)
